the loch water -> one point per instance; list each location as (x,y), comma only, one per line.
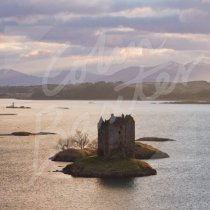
(30,180)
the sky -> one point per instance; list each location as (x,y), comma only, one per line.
(102,35)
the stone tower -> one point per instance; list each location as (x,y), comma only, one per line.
(116,136)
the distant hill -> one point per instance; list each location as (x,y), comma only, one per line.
(72,77)
(172,72)
(9,77)
(191,91)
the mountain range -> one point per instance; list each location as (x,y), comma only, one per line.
(168,72)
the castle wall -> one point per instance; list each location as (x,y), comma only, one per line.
(116,137)
(130,138)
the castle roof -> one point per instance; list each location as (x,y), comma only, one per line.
(115,120)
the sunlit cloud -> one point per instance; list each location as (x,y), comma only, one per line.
(145,12)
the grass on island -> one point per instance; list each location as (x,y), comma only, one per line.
(105,163)
(145,151)
(103,168)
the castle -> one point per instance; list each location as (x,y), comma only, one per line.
(116,136)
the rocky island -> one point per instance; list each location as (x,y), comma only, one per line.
(100,167)
(115,153)
(17,107)
(25,133)
(155,139)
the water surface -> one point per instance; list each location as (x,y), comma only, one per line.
(29,180)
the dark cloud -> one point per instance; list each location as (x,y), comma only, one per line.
(90,17)
(19,8)
(169,24)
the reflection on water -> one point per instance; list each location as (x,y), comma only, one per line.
(117,183)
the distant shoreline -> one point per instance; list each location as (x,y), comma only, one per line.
(93,100)
(187,102)
(182,93)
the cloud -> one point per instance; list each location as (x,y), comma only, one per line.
(194,16)
(16,8)
(155,16)
(170,24)
(146,31)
